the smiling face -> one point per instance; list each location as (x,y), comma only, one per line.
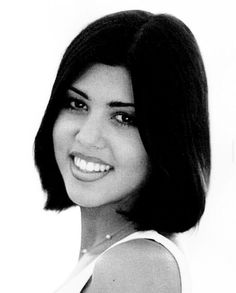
(97,146)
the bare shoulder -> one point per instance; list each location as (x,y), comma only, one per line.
(136,266)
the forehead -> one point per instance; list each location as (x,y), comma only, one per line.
(106,82)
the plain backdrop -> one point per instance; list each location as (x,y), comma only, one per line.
(38,249)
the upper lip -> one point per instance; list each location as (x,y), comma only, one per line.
(88,158)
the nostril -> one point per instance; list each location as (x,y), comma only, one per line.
(91,132)
(90,138)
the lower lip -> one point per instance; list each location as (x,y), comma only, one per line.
(86,177)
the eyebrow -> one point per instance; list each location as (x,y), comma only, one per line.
(111,104)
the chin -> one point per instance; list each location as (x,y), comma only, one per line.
(95,200)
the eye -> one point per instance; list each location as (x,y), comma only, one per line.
(125,119)
(76,104)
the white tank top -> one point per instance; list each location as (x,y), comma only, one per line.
(77,282)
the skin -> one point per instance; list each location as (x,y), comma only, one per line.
(95,127)
(94,124)
(136,266)
(96,130)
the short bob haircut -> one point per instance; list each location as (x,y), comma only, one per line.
(170,93)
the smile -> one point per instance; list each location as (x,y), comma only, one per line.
(90,167)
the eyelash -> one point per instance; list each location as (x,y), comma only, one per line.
(69,106)
(80,107)
(131,118)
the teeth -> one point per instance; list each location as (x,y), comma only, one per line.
(82,164)
(90,166)
(102,168)
(96,167)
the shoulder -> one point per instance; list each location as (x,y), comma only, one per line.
(135,266)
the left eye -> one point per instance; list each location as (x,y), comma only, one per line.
(125,119)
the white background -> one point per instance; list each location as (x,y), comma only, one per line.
(38,249)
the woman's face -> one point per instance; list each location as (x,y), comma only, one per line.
(97,146)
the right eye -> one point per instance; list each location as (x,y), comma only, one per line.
(76,104)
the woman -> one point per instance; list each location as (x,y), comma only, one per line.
(125,136)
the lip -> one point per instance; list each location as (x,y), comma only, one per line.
(86,177)
(89,158)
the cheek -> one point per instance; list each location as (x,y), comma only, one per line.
(62,132)
(130,153)
(61,139)
(57,135)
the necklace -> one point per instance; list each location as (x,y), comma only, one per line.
(105,239)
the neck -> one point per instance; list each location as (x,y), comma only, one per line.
(98,222)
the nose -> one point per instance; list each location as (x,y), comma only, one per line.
(90,133)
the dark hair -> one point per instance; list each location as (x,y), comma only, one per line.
(170,92)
